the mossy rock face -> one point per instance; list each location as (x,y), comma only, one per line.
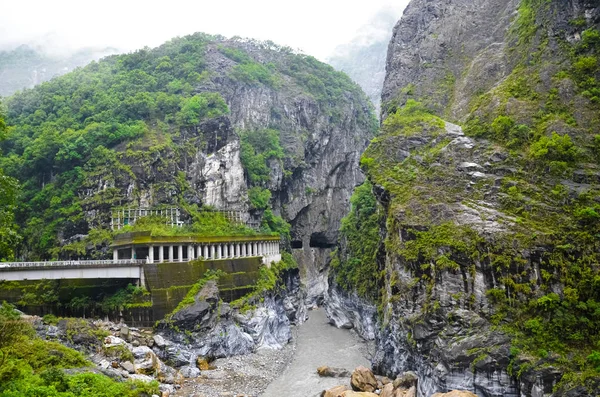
(490,254)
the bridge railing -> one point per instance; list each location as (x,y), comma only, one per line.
(6,265)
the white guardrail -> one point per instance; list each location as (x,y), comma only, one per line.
(12,265)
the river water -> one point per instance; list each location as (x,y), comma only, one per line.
(319,343)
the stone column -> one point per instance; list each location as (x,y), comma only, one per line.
(212,251)
(205,249)
(243,250)
(231,251)
(191,251)
(115,254)
(161,254)
(180,253)
(238,250)
(151,254)
(171,253)
(133,252)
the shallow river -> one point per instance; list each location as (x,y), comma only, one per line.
(318,343)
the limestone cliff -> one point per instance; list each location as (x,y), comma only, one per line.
(484,186)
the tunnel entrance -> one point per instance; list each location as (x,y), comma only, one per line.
(296,244)
(319,240)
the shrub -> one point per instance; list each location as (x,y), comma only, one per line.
(554,148)
(259,197)
(501,127)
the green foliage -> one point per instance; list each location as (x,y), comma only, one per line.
(358,269)
(269,280)
(206,105)
(258,148)
(9,237)
(554,148)
(30,366)
(259,197)
(411,119)
(205,222)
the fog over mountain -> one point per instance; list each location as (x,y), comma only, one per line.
(29,65)
(363,57)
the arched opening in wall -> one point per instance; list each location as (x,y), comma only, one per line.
(319,240)
(296,244)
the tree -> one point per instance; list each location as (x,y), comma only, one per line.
(9,237)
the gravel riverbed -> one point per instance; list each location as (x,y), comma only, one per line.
(290,371)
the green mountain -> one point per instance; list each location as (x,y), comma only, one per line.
(200,121)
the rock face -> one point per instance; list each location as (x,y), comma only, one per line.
(214,330)
(463,176)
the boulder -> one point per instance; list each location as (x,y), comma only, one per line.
(335,391)
(387,391)
(124,332)
(199,312)
(363,380)
(159,341)
(331,372)
(188,371)
(455,393)
(406,380)
(351,393)
(128,366)
(146,362)
(411,392)
(141,352)
(168,374)
(111,341)
(143,378)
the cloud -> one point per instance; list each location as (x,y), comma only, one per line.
(314,26)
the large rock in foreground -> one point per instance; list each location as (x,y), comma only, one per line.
(363,380)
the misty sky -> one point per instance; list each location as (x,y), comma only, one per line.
(313,26)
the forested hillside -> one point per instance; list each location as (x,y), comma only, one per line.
(151,128)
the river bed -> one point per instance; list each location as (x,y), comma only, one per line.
(290,371)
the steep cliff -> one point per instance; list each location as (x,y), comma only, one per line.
(483,186)
(200,121)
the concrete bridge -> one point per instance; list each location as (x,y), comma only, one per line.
(131,251)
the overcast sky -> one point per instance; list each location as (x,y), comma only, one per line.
(313,26)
